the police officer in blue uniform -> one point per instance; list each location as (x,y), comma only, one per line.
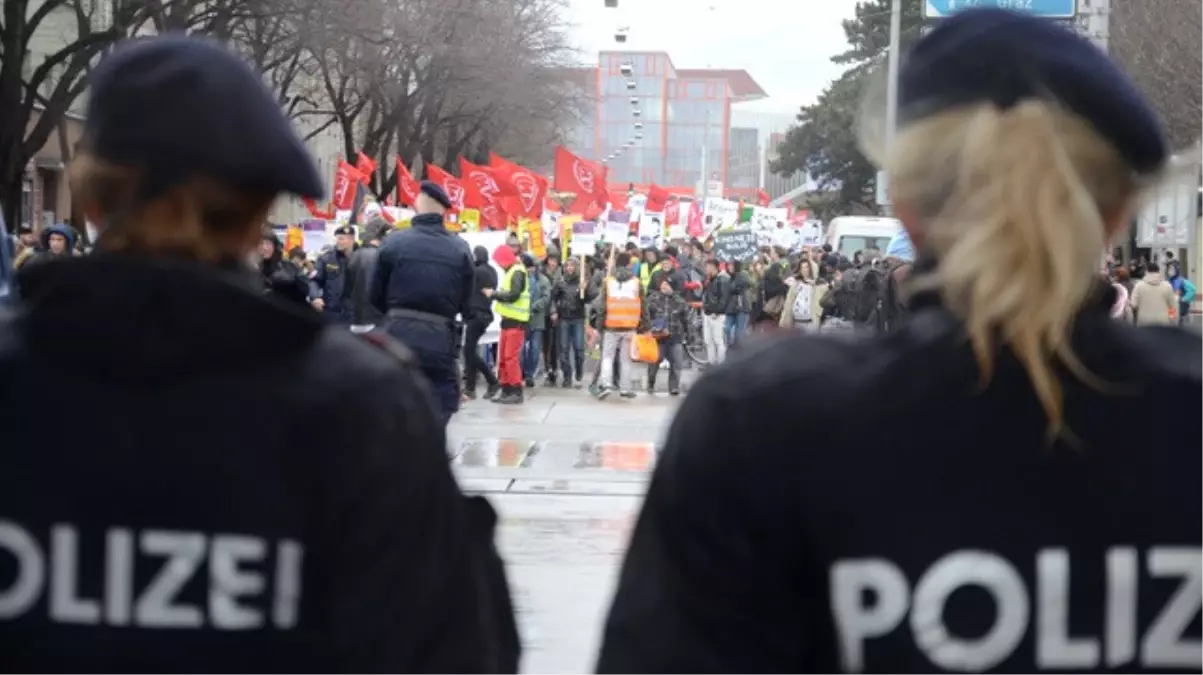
(977,490)
(328,288)
(423,282)
(215,506)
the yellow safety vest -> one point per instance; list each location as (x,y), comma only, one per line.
(518,310)
(645,274)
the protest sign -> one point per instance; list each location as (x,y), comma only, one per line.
(736,244)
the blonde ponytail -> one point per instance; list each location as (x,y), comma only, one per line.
(1014,204)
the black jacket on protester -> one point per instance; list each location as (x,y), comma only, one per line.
(716,296)
(846,553)
(213,457)
(566,296)
(283,279)
(361,274)
(483,276)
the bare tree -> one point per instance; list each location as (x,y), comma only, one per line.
(45,90)
(1159,42)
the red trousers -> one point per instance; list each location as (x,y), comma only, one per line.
(509,351)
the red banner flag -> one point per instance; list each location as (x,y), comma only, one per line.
(455,189)
(407,187)
(483,191)
(657,199)
(365,165)
(530,188)
(316,211)
(694,227)
(584,178)
(762,198)
(346,181)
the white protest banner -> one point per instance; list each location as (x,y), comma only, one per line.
(616,231)
(767,219)
(584,237)
(720,213)
(651,228)
(490,240)
(810,233)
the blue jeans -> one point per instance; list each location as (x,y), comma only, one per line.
(737,325)
(572,348)
(532,350)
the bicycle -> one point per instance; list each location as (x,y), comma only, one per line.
(695,339)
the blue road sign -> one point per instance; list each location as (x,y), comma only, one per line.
(1052,9)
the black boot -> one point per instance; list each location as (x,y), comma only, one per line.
(510,396)
(492,392)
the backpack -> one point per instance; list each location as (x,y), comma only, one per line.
(893,311)
(861,291)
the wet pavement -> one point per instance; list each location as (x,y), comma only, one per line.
(566,474)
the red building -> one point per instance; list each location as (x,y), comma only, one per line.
(653,121)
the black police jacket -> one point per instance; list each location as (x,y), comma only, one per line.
(330,284)
(183,486)
(424,268)
(828,504)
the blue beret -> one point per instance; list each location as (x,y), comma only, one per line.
(436,192)
(1004,57)
(178,106)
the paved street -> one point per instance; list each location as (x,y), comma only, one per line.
(566,473)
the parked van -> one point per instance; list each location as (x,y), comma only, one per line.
(849,234)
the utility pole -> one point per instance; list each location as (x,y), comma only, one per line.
(891,97)
(705,156)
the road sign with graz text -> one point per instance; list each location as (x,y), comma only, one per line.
(1052,9)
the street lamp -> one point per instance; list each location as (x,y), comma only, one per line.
(635,112)
(620,34)
(639,125)
(635,101)
(630,85)
(611,3)
(626,69)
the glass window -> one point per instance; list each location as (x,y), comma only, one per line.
(850,245)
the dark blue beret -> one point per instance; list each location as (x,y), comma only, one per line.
(1004,57)
(344,229)
(436,192)
(178,106)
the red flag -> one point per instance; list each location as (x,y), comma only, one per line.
(483,191)
(315,211)
(762,197)
(529,188)
(657,199)
(672,212)
(580,176)
(694,227)
(407,187)
(618,198)
(346,180)
(365,165)
(455,189)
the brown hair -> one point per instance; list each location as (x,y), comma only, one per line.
(198,218)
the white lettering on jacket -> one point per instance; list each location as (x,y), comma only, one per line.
(244,591)
(872,598)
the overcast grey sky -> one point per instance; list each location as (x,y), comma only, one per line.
(785,44)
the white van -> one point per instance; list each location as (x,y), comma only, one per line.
(849,234)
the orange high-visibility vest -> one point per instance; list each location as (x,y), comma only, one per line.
(623,307)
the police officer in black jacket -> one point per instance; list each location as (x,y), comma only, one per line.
(240,487)
(329,286)
(970,492)
(424,281)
